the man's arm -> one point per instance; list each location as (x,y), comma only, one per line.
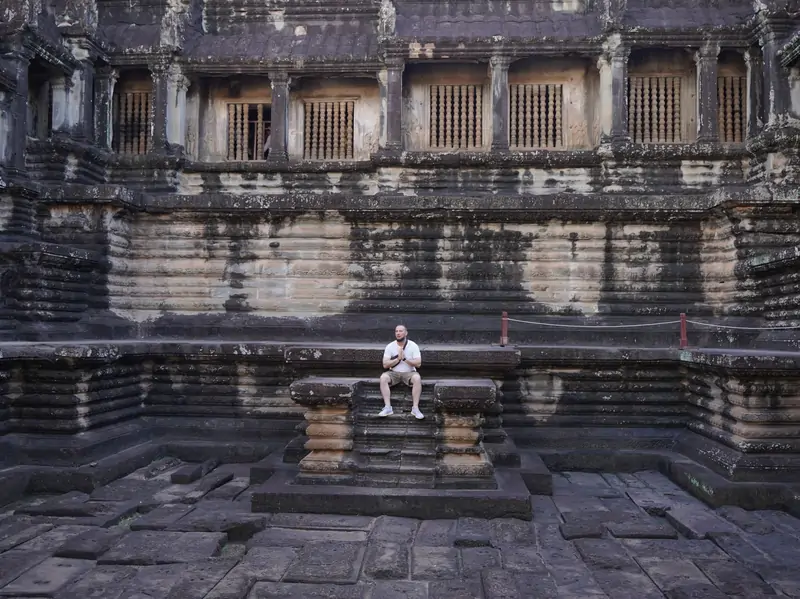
(414,360)
(389,361)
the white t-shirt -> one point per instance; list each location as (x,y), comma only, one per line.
(411,352)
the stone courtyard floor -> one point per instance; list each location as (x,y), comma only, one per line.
(171,530)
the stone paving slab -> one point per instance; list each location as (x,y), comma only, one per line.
(617,535)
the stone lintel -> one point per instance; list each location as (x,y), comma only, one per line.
(315,391)
(465,395)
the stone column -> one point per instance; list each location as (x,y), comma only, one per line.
(776,79)
(392,104)
(177,86)
(103,106)
(61,87)
(755,89)
(618,59)
(498,69)
(279,80)
(158,142)
(613,67)
(14,157)
(707,105)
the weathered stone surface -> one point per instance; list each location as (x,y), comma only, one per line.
(161,517)
(745,520)
(434,563)
(275,590)
(473,532)
(155,547)
(455,589)
(200,578)
(46,577)
(673,574)
(328,562)
(475,559)
(101,582)
(387,561)
(501,584)
(697,522)
(288,537)
(581,530)
(259,564)
(17,533)
(732,578)
(396,589)
(128,489)
(192,472)
(240,525)
(394,530)
(642,529)
(90,544)
(322,522)
(15,563)
(53,538)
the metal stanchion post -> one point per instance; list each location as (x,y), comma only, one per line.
(684,338)
(504,330)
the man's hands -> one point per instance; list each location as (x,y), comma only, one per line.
(400,355)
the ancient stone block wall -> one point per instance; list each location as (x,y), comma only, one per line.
(614,394)
(68,396)
(322,264)
(235,397)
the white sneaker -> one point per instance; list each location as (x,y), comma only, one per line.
(386,411)
(417,414)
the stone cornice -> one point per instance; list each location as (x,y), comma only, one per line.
(516,208)
(57,56)
(225,69)
(790,53)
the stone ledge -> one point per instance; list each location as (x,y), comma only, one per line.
(323,391)
(510,500)
(469,395)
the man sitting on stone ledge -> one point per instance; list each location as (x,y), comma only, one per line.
(402,358)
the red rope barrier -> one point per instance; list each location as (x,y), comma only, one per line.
(504,330)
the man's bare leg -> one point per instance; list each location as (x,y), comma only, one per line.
(416,392)
(386,393)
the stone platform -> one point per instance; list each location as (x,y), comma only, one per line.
(177,530)
(354,462)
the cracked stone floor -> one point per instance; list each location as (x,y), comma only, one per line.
(175,530)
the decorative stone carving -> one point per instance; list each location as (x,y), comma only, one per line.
(460,407)
(329,427)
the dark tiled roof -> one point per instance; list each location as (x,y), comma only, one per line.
(675,14)
(346,42)
(482,19)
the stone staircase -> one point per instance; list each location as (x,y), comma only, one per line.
(398,449)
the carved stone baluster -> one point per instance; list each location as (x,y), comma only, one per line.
(351,116)
(514,117)
(739,90)
(559,112)
(661,90)
(529,116)
(677,109)
(258,150)
(478,116)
